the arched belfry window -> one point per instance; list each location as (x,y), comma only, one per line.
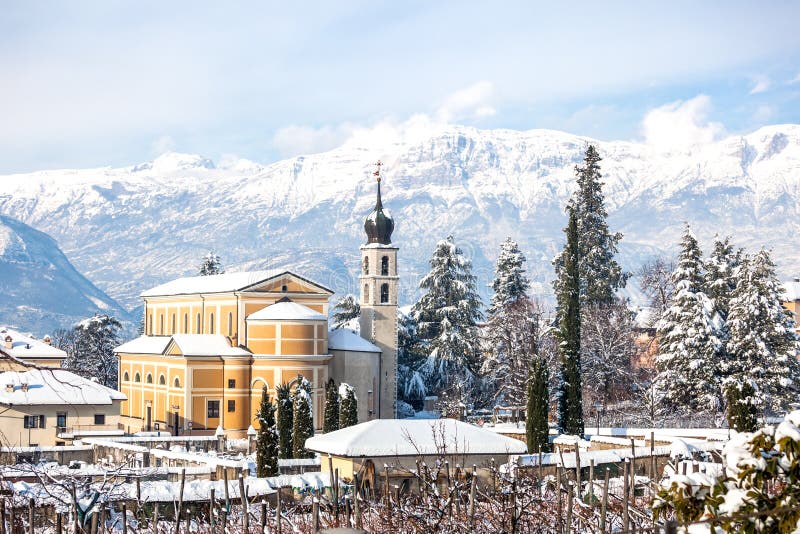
(211,324)
(366,265)
(199,325)
(366,293)
(385,266)
(384,293)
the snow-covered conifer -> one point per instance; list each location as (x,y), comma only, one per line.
(763,343)
(410,357)
(347,309)
(600,273)
(331,420)
(211,265)
(510,282)
(348,406)
(303,420)
(447,315)
(688,353)
(92,349)
(285,420)
(267,441)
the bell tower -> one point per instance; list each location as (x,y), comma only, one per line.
(379,289)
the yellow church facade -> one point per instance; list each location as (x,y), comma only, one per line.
(211,343)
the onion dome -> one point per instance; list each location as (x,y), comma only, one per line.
(378,224)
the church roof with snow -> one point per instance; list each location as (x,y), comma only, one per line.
(287,310)
(145,345)
(26,347)
(221,283)
(56,386)
(414,437)
(206,345)
(346,339)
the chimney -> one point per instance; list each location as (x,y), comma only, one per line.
(24,386)
(9,388)
(797,278)
(9,342)
(47,340)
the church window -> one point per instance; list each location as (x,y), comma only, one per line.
(162,380)
(384,293)
(385,266)
(161,323)
(213,409)
(284,288)
(177,382)
(366,265)
(366,293)
(199,325)
(137,377)
(173,331)
(185,323)
(211,324)
(149,378)
(126,377)
(231,406)
(231,383)
(230,324)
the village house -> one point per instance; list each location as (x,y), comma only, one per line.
(17,346)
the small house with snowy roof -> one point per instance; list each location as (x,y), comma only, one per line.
(15,345)
(212,343)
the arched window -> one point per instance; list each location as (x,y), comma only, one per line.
(174,330)
(211,324)
(366,265)
(150,325)
(161,324)
(384,293)
(199,325)
(125,376)
(366,293)
(177,382)
(137,377)
(185,323)
(149,378)
(385,266)
(162,380)
(230,324)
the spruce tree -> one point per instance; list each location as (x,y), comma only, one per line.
(538,406)
(570,396)
(410,358)
(447,314)
(600,274)
(687,362)
(267,441)
(211,265)
(285,420)
(348,406)
(303,422)
(331,421)
(763,342)
(345,310)
(510,282)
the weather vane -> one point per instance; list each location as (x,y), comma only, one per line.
(377,172)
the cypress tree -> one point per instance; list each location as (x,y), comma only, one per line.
(267,442)
(536,428)
(331,421)
(348,406)
(303,423)
(742,409)
(285,420)
(570,401)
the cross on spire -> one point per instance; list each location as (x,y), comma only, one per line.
(377,172)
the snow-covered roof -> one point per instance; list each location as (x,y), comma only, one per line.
(219,283)
(287,310)
(206,345)
(413,437)
(24,346)
(346,339)
(791,290)
(145,345)
(55,386)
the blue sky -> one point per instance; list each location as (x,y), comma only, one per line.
(116,83)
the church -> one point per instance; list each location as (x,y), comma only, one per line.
(212,343)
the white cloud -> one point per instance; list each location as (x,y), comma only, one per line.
(470,103)
(763,114)
(761,84)
(294,140)
(680,125)
(794,80)
(162,145)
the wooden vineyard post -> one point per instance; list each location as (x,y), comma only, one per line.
(278,511)
(243,499)
(75,520)
(625,490)
(591,482)
(263,515)
(356,505)
(541,471)
(179,508)
(227,495)
(577,469)
(604,507)
(59,524)
(448,495)
(124,520)
(314,516)
(138,490)
(31,504)
(348,512)
(570,492)
(336,493)
(211,510)
(155,518)
(93,524)
(558,492)
(473,483)
(188,521)
(652,457)
(2,515)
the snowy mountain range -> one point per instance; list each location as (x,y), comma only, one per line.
(131,228)
(40,290)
